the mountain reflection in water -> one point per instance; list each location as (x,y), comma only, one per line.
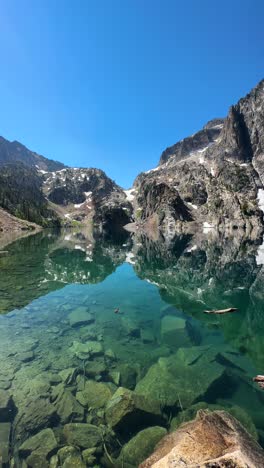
(160,343)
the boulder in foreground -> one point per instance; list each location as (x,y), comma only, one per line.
(214,439)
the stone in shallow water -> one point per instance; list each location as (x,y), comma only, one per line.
(26,356)
(70,457)
(174,331)
(68,408)
(95,368)
(114,376)
(69,375)
(84,350)
(5,429)
(82,435)
(127,409)
(109,353)
(37,448)
(147,335)
(128,376)
(6,406)
(80,316)
(141,445)
(89,457)
(94,395)
(173,382)
(44,415)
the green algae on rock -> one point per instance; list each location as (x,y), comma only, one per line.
(140,446)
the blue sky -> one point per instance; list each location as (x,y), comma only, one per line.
(111,83)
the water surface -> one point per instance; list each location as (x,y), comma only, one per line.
(146,302)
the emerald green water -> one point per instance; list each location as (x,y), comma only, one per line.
(160,344)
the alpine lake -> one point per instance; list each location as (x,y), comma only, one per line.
(105,346)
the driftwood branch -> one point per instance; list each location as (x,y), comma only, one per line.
(221,311)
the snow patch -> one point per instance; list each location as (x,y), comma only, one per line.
(207,227)
(260,255)
(152,170)
(261,199)
(78,247)
(195,207)
(129,258)
(130,194)
(192,248)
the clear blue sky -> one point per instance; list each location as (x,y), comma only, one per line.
(111,83)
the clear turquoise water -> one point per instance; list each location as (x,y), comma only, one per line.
(46,277)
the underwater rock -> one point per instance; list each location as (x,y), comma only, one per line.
(114,376)
(190,413)
(95,368)
(80,316)
(85,350)
(128,376)
(109,353)
(82,435)
(54,462)
(26,356)
(172,382)
(174,331)
(68,408)
(44,414)
(147,335)
(94,395)
(88,456)
(5,429)
(127,409)
(212,439)
(37,448)
(6,407)
(141,446)
(69,375)
(131,327)
(5,384)
(70,457)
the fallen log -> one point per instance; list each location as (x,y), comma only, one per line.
(221,311)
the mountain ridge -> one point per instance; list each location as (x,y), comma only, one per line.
(212,179)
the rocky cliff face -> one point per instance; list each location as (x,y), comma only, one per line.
(15,152)
(213,178)
(87,196)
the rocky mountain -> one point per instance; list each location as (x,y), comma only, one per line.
(212,179)
(21,195)
(13,152)
(84,196)
(65,197)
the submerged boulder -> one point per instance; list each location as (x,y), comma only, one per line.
(70,457)
(87,349)
(174,331)
(126,409)
(80,316)
(6,406)
(82,435)
(68,408)
(94,394)
(141,446)
(181,378)
(213,439)
(37,448)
